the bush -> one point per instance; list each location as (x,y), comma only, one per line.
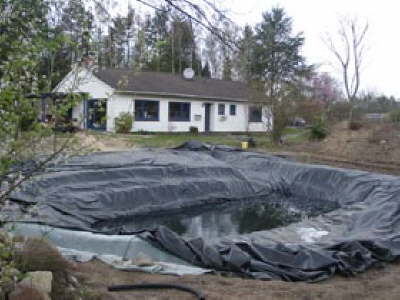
(319,130)
(194,130)
(355,125)
(145,132)
(395,116)
(124,123)
(38,255)
(252,142)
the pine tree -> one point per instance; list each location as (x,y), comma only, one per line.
(205,72)
(227,69)
(278,67)
(277,51)
(245,56)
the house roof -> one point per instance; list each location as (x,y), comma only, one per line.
(167,84)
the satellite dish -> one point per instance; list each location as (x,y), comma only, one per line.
(188,73)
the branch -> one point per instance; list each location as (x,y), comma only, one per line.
(351,58)
(357,53)
(207,24)
(29,175)
(151,5)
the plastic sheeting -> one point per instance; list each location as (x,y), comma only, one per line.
(358,223)
(123,252)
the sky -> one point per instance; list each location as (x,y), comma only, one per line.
(315,18)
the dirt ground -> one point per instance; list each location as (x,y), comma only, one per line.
(382,283)
(375,148)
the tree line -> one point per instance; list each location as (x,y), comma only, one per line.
(165,40)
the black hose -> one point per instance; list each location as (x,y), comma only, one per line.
(128,287)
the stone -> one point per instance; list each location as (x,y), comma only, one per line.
(142,260)
(40,280)
(27,293)
(74,282)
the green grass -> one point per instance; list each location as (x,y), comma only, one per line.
(173,140)
(294,130)
(296,135)
(263,141)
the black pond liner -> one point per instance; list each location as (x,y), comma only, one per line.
(353,223)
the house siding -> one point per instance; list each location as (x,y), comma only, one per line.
(265,125)
(83,82)
(125,103)
(119,103)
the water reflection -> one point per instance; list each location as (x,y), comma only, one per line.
(222,220)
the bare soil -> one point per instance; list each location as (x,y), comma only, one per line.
(103,142)
(374,147)
(374,284)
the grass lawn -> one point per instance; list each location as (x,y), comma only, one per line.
(173,140)
(263,141)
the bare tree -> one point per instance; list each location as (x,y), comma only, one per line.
(348,47)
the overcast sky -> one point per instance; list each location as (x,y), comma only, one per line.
(316,17)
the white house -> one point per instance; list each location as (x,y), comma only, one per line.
(163,102)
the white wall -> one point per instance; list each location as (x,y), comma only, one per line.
(227,122)
(125,103)
(83,81)
(265,125)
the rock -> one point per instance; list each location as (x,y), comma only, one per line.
(74,282)
(142,260)
(27,293)
(40,280)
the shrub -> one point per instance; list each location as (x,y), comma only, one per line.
(144,132)
(355,125)
(319,130)
(9,273)
(38,255)
(123,123)
(194,130)
(252,142)
(395,116)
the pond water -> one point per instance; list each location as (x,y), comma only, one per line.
(236,219)
(220,220)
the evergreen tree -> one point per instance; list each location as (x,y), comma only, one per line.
(227,68)
(245,56)
(205,72)
(278,67)
(77,22)
(277,50)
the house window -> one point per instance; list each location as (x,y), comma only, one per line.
(232,110)
(179,111)
(146,110)
(255,114)
(221,109)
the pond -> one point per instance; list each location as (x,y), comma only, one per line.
(211,222)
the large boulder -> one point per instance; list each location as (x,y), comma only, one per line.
(39,280)
(27,293)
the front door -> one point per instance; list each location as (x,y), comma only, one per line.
(96,114)
(207,108)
